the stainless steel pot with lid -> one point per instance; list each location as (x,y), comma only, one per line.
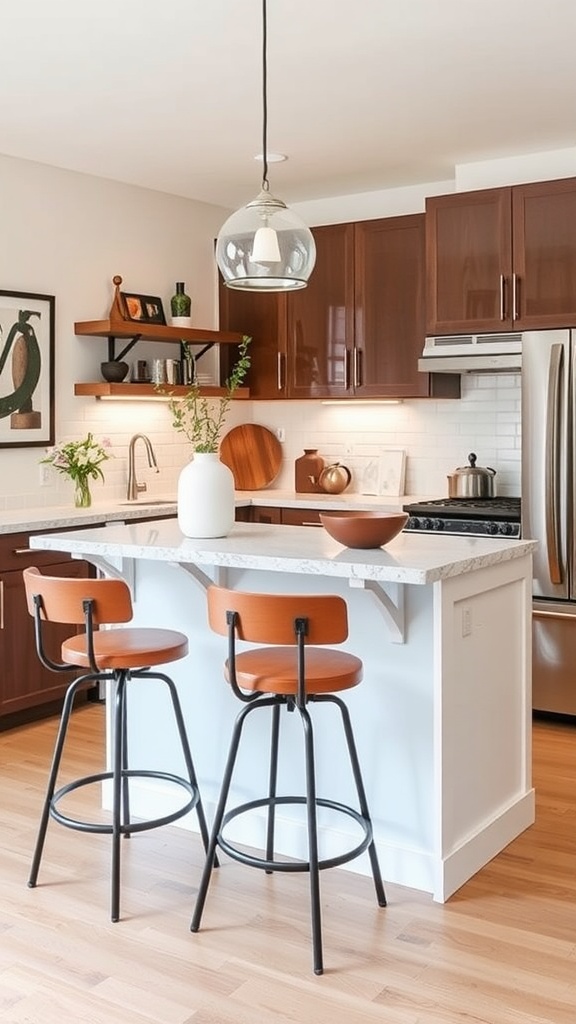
(471,481)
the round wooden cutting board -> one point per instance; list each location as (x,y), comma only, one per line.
(254,454)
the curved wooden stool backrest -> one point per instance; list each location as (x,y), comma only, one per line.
(269,618)
(63,598)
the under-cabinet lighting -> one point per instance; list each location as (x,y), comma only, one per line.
(362,401)
(136,398)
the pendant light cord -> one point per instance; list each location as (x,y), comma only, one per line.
(265,185)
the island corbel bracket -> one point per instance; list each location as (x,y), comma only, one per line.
(116,568)
(202,578)
(112,358)
(392,610)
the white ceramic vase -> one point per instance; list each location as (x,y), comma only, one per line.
(205,497)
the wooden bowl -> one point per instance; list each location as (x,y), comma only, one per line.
(363,529)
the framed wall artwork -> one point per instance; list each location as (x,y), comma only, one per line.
(26,370)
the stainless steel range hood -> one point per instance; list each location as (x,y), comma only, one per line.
(472,353)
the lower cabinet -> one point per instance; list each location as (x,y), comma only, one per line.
(283,516)
(244,514)
(300,517)
(25,684)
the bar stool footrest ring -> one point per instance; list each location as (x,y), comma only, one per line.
(292,865)
(106,828)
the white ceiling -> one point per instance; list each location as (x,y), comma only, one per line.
(363,94)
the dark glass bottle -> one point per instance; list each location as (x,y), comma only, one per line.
(180,303)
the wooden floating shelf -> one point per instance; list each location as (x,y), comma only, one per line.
(154,332)
(101,389)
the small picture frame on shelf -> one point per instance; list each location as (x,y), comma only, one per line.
(145,309)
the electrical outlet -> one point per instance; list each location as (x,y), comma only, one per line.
(466,621)
(280,433)
(44,475)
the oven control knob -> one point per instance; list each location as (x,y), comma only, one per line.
(492,528)
(426,523)
(437,524)
(506,529)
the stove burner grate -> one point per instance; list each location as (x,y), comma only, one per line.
(485,508)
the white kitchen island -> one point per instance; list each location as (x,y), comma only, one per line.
(442,718)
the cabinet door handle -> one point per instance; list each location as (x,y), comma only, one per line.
(515,309)
(23,551)
(502,297)
(346,369)
(279,371)
(306,523)
(357,367)
(1,604)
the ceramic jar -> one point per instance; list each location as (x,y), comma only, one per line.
(307,470)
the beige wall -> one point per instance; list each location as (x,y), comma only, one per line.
(67,234)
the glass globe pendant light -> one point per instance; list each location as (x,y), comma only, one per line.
(265,246)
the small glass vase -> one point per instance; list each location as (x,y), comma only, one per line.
(82,496)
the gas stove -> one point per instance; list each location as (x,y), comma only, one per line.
(475,517)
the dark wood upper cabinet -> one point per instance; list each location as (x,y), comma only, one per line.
(389,312)
(501,259)
(263,317)
(321,319)
(544,248)
(357,330)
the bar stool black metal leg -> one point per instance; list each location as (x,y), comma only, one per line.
(117,782)
(273,778)
(125,777)
(312,841)
(218,816)
(363,802)
(187,757)
(52,777)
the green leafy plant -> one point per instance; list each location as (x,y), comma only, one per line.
(201,419)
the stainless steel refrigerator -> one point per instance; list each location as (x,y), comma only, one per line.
(548,509)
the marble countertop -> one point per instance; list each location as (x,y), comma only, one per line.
(64,517)
(419,559)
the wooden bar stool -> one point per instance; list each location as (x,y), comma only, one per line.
(121,656)
(291,674)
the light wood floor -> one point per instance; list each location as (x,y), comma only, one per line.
(502,951)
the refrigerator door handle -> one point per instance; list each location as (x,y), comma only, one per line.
(552,471)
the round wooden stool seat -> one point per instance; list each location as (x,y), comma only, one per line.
(275,670)
(127,648)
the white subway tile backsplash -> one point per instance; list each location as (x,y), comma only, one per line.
(436,435)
